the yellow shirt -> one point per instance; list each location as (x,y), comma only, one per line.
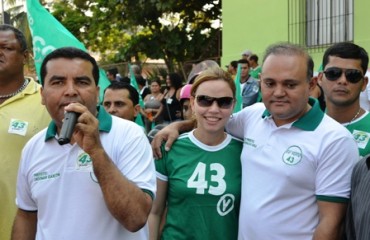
(21,117)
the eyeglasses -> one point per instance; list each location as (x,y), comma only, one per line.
(207,101)
(352,75)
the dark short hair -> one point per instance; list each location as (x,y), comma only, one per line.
(347,50)
(244,61)
(133,93)
(69,53)
(140,80)
(234,64)
(18,35)
(113,71)
(125,79)
(290,50)
(253,57)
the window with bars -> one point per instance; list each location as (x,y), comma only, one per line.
(316,23)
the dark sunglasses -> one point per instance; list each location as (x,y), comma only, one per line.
(207,101)
(352,75)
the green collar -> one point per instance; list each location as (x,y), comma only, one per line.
(105,124)
(310,120)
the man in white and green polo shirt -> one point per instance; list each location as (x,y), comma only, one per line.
(296,161)
(98,186)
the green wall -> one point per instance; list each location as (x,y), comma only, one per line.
(255,24)
(362,23)
(248,25)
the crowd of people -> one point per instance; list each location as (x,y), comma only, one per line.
(284,167)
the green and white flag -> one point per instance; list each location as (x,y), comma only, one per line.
(238,92)
(48,34)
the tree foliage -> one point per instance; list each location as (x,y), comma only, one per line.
(173,30)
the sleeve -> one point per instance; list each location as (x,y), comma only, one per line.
(334,170)
(235,124)
(135,159)
(24,198)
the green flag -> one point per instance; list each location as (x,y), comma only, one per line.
(238,92)
(48,34)
(133,83)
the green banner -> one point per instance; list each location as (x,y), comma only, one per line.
(48,34)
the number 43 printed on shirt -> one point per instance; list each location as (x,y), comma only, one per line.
(199,182)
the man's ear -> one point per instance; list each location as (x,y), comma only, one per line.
(313,83)
(136,110)
(319,78)
(366,80)
(42,96)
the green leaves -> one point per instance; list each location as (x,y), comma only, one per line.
(120,29)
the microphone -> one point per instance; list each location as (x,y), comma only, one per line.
(70,119)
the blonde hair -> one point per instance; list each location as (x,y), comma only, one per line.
(211,74)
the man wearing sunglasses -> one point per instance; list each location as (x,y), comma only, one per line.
(296,161)
(343,80)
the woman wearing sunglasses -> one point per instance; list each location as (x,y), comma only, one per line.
(200,178)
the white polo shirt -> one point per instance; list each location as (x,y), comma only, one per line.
(58,181)
(286,169)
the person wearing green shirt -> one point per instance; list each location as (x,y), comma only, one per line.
(200,178)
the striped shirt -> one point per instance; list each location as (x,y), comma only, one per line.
(358,214)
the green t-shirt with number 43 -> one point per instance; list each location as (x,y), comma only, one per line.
(204,184)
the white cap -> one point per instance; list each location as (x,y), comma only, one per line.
(247,53)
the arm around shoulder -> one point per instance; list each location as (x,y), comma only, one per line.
(169,134)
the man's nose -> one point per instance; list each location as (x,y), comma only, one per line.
(342,79)
(112,109)
(279,91)
(70,89)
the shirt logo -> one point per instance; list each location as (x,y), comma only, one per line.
(362,138)
(17,126)
(83,161)
(293,155)
(225,204)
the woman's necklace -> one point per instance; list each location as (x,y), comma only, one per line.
(25,83)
